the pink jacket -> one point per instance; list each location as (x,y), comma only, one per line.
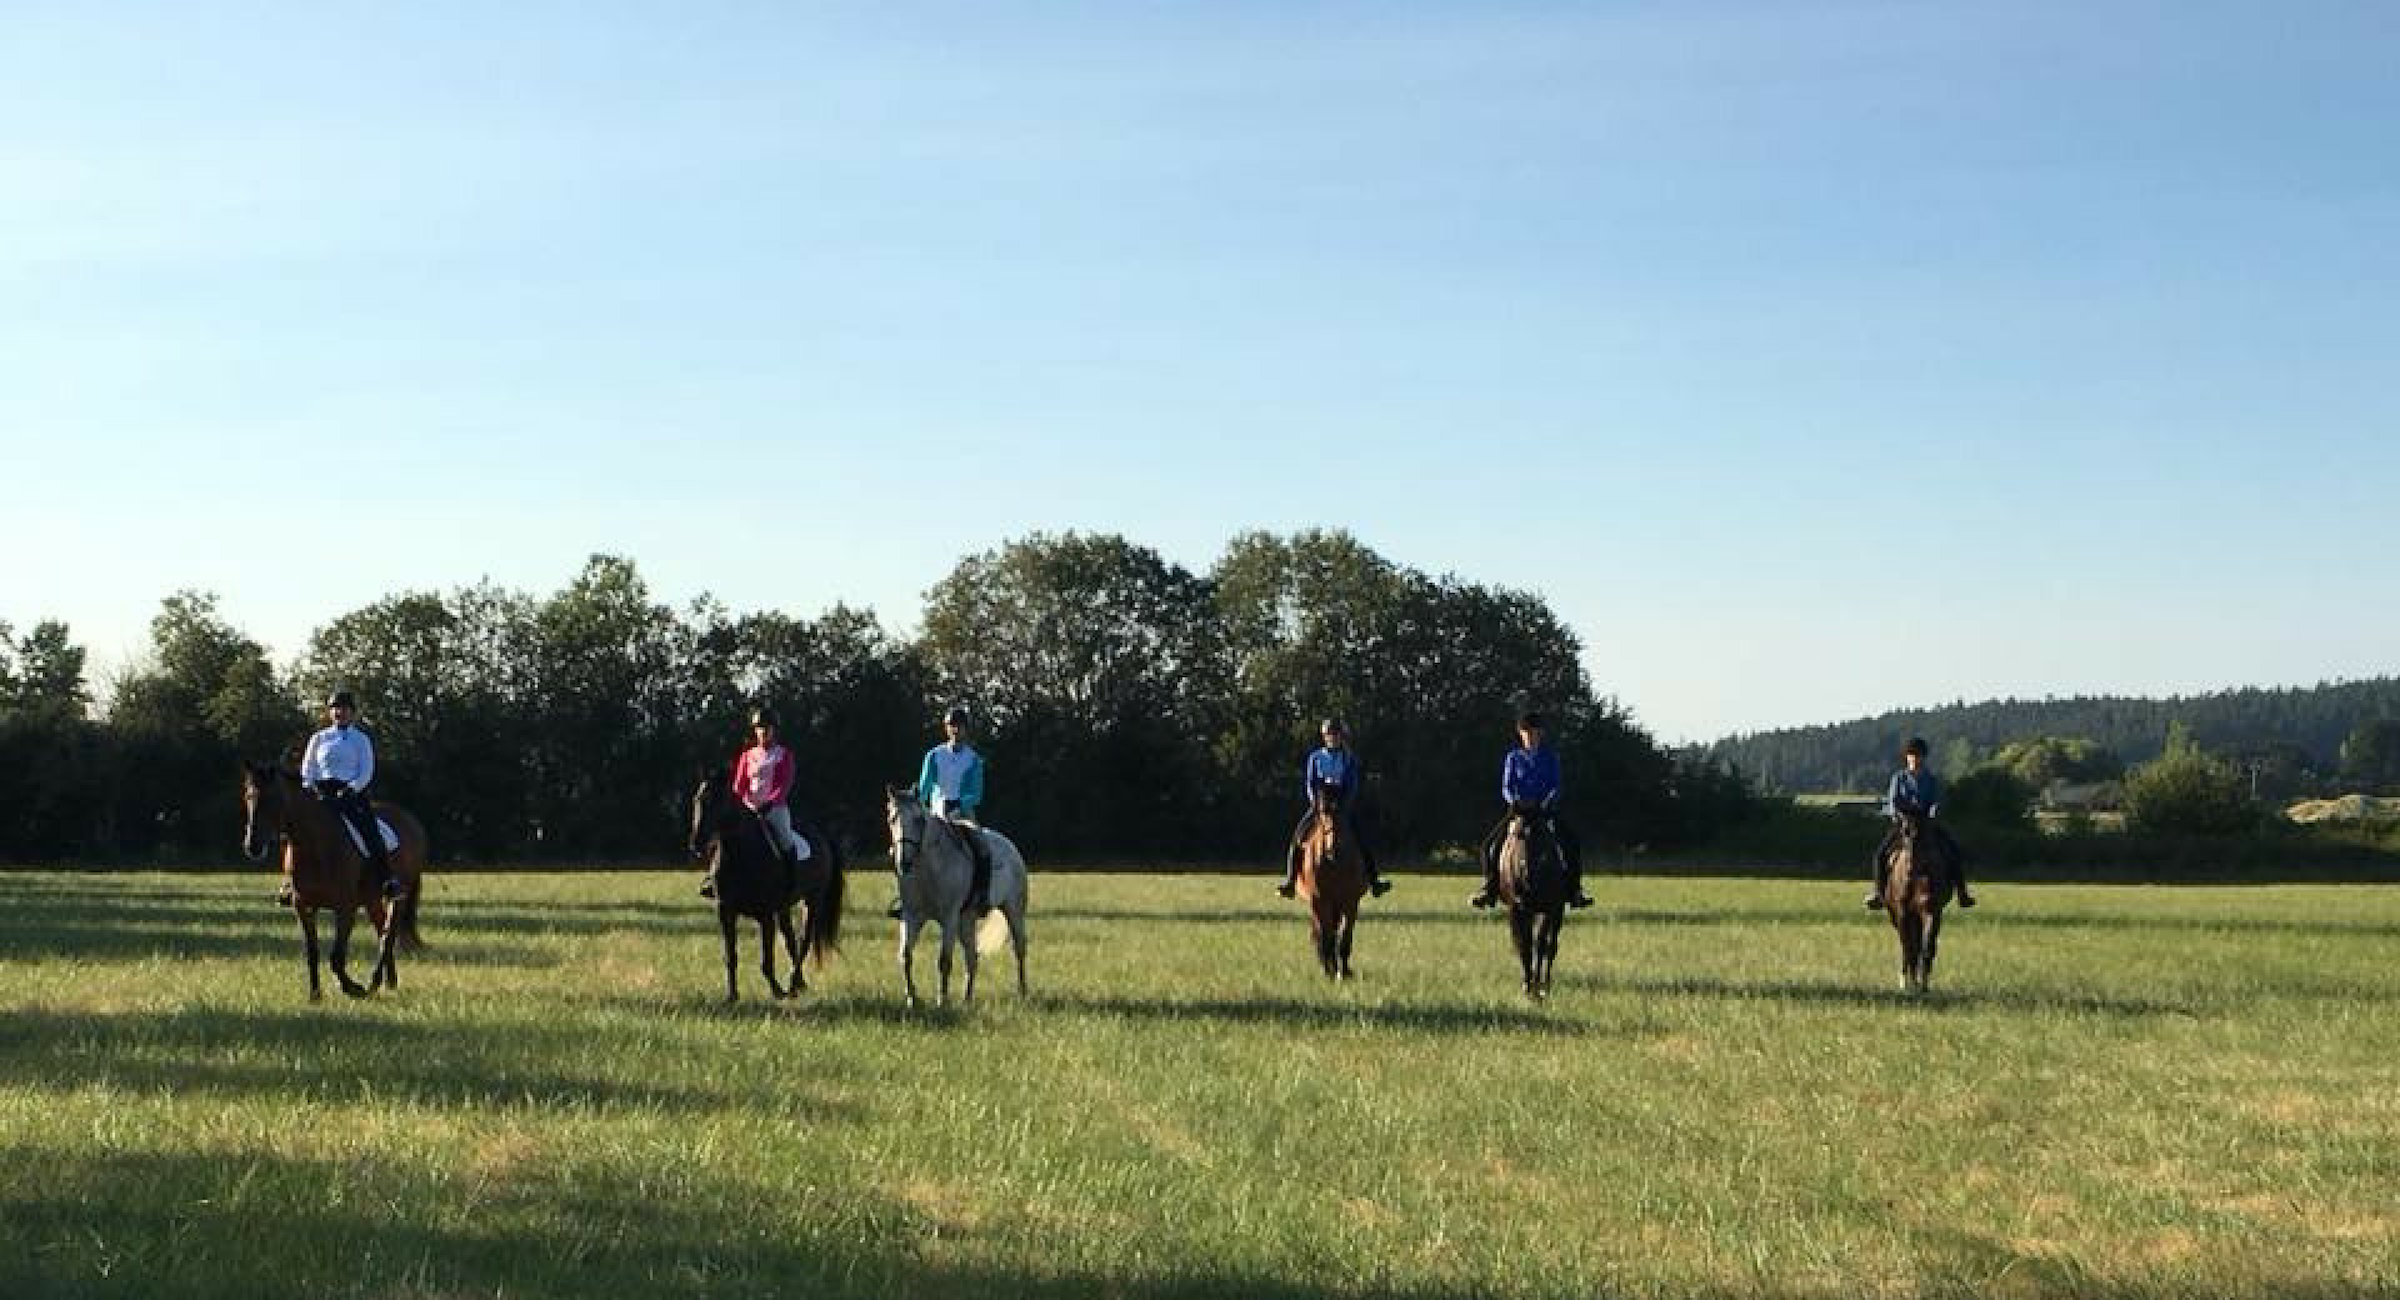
(762,778)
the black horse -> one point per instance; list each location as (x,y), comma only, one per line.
(1534,885)
(755,881)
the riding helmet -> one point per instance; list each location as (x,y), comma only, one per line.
(956,713)
(1530,720)
(342,700)
(1335,726)
(1916,745)
(762,716)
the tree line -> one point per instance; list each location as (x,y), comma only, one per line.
(1129,709)
(2302,737)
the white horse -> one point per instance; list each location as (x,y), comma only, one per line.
(937,870)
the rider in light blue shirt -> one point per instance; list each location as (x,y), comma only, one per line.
(1335,767)
(950,785)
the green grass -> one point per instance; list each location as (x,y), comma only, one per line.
(2113,1092)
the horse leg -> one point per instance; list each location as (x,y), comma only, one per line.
(795,947)
(949,942)
(1546,945)
(1349,932)
(908,955)
(308,942)
(1015,912)
(733,959)
(1520,932)
(1925,954)
(343,924)
(973,954)
(387,969)
(766,957)
(1907,927)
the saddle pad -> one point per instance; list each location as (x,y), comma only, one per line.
(391,838)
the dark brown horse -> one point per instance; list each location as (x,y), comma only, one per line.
(1533,885)
(755,881)
(328,872)
(1916,887)
(1333,877)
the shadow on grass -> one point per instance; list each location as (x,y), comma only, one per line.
(258,1227)
(305,1055)
(1294,1013)
(1942,999)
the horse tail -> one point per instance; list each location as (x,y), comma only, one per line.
(825,914)
(404,923)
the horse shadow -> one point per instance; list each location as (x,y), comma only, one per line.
(299,1056)
(1828,994)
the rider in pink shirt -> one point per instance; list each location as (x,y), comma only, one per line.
(762,781)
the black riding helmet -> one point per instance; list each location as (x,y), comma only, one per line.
(1530,720)
(1916,745)
(957,714)
(762,716)
(1335,726)
(342,700)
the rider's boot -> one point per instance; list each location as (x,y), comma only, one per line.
(1490,893)
(1376,884)
(1291,873)
(1575,895)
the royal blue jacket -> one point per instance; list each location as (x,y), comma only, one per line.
(1916,793)
(1529,776)
(1337,767)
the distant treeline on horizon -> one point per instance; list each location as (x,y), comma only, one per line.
(2301,728)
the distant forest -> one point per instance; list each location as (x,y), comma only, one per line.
(2303,727)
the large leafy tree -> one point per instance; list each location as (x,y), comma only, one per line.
(1100,676)
(206,698)
(441,683)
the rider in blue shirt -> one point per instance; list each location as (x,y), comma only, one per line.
(1336,767)
(1529,786)
(1916,792)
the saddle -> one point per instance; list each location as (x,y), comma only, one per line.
(391,838)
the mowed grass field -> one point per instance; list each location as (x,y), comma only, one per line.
(2112,1092)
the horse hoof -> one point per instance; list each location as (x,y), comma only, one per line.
(354,990)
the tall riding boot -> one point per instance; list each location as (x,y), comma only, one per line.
(1376,884)
(1291,872)
(979,892)
(1490,894)
(1575,895)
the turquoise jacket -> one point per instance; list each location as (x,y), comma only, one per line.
(969,795)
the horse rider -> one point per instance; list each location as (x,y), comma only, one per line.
(1529,787)
(336,767)
(762,781)
(950,785)
(1916,792)
(1334,767)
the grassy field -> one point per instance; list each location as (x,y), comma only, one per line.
(2113,1092)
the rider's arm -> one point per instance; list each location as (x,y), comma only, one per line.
(366,761)
(926,784)
(312,762)
(970,786)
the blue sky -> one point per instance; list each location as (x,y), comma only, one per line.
(1811,359)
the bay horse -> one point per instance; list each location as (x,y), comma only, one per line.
(1917,882)
(755,881)
(1533,884)
(327,872)
(1333,877)
(937,872)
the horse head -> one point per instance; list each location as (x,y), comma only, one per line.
(708,810)
(904,820)
(266,794)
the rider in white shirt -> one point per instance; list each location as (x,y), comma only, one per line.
(336,767)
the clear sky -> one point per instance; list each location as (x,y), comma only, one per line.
(1810,358)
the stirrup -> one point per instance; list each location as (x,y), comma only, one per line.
(1484,899)
(1380,887)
